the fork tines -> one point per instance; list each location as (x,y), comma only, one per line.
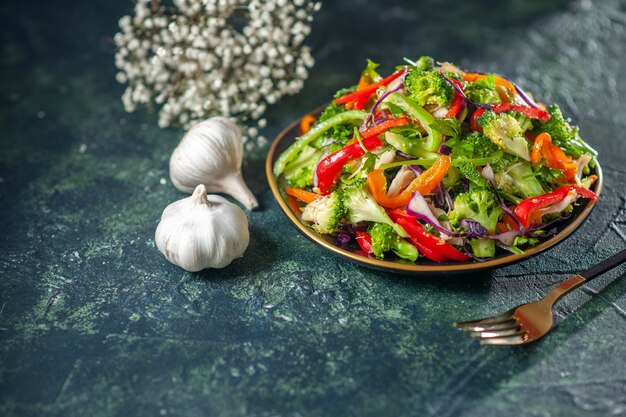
(503,329)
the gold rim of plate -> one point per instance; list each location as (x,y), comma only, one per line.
(566,228)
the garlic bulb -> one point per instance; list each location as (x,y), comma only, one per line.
(202,231)
(211,153)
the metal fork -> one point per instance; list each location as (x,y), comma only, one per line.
(531,321)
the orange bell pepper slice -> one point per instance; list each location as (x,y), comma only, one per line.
(363,84)
(554,156)
(425,183)
(304,195)
(306,122)
(536,155)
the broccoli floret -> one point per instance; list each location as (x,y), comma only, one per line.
(425,63)
(472,150)
(468,170)
(483,248)
(565,135)
(525,122)
(360,206)
(325,213)
(429,87)
(385,239)
(483,90)
(519,180)
(473,145)
(504,131)
(480,205)
(299,172)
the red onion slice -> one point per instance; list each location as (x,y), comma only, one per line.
(444,149)
(418,205)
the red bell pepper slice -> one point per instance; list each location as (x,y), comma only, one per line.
(431,254)
(434,248)
(384,126)
(361,102)
(530,112)
(474,119)
(530,210)
(329,168)
(359,96)
(457,101)
(365,242)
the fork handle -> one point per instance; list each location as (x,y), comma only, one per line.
(604,266)
(585,276)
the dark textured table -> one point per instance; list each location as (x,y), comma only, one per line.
(94,321)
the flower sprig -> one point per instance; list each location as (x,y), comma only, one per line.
(195,59)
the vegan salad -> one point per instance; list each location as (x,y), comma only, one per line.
(435,162)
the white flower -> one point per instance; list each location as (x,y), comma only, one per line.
(204,58)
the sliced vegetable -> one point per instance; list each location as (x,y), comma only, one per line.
(385,239)
(553,155)
(384,126)
(422,116)
(303,195)
(364,240)
(325,213)
(329,168)
(306,122)
(360,206)
(438,249)
(474,119)
(418,206)
(317,131)
(367,92)
(294,205)
(459,101)
(531,210)
(425,183)
(530,112)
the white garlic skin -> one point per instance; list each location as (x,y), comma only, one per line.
(202,231)
(211,153)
